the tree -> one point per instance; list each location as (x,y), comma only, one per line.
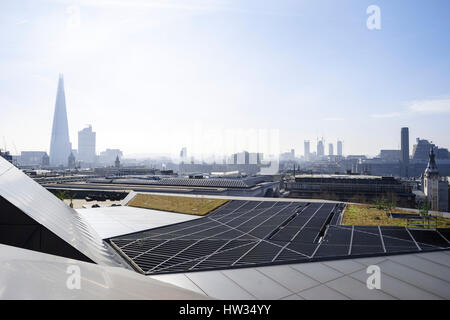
(62,195)
(424,208)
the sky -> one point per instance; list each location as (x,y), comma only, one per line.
(220,76)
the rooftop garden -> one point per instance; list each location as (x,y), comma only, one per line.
(383,214)
(187,205)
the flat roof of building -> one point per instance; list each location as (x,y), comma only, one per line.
(341,176)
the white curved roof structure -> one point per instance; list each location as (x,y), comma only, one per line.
(28,274)
(47,210)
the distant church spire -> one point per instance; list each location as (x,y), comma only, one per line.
(60,147)
(432,167)
(431,182)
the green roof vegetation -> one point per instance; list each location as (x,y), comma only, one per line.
(374,215)
(188,205)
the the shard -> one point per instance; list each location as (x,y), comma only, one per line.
(60,146)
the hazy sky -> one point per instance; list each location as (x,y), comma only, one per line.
(153,76)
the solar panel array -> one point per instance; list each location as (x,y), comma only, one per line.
(251,233)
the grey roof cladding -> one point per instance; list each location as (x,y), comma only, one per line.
(220,183)
(53,214)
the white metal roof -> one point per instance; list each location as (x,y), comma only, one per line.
(29,274)
(410,276)
(110,222)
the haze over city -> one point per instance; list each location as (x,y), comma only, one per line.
(241,151)
(153,76)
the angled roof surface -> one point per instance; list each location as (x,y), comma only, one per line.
(419,276)
(46,209)
(115,221)
(29,274)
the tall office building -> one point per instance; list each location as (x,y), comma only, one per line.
(339,148)
(330,149)
(320,148)
(60,146)
(307,150)
(86,146)
(404,152)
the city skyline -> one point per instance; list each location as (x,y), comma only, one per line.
(148,84)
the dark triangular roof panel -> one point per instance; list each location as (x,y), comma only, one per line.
(44,223)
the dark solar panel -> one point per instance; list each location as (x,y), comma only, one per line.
(429,238)
(445,233)
(249,233)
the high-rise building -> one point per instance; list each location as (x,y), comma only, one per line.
(86,146)
(330,149)
(60,146)
(404,160)
(421,149)
(307,149)
(339,148)
(242,158)
(320,148)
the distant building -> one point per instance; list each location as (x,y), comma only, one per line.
(421,150)
(6,155)
(404,152)
(249,169)
(288,156)
(32,158)
(108,157)
(60,146)
(390,155)
(442,153)
(320,149)
(86,146)
(251,186)
(117,162)
(71,161)
(356,157)
(242,158)
(330,149)
(431,182)
(253,158)
(183,154)
(245,158)
(307,150)
(351,188)
(45,160)
(339,148)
